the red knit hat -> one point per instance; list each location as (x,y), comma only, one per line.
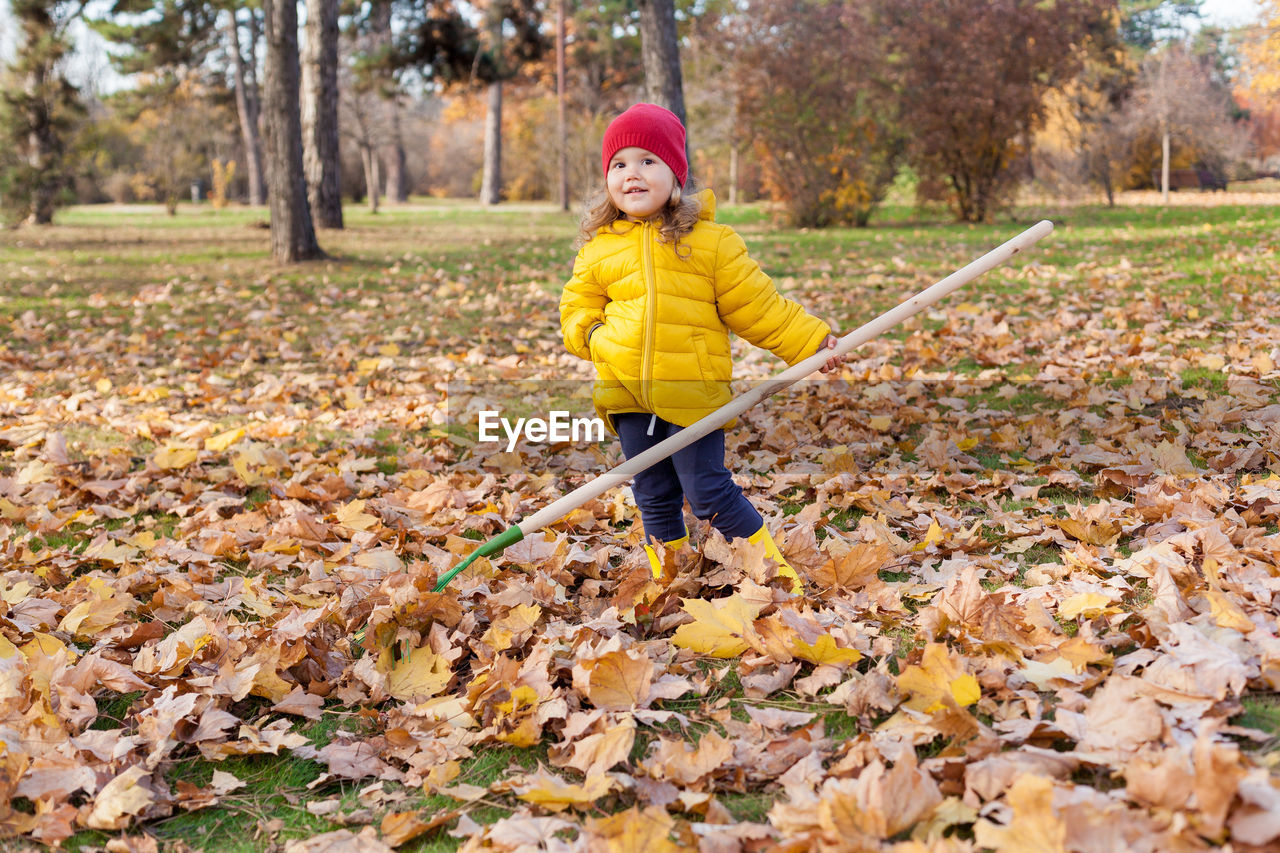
(652,128)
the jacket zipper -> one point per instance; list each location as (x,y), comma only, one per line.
(650,321)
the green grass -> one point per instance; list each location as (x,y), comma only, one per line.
(1262,713)
(275,790)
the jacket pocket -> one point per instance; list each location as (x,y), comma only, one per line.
(706,374)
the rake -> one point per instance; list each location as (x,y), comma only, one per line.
(622,473)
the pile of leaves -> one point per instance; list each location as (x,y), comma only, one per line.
(1038,531)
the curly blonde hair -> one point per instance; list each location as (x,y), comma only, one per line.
(676,218)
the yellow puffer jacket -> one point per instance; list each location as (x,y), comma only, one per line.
(659,323)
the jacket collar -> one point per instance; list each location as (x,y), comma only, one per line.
(708,199)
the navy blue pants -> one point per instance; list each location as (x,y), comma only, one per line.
(697,472)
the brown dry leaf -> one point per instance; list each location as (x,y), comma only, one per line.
(1172,459)
(301,703)
(119,800)
(1090,531)
(400,827)
(619,680)
(520,832)
(597,753)
(1219,769)
(340,841)
(678,762)
(878,804)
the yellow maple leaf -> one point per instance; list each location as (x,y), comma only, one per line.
(524,695)
(824,651)
(1086,604)
(36,471)
(144,540)
(353,516)
(422,674)
(111,552)
(719,628)
(241,463)
(933,536)
(281,545)
(97,613)
(173,457)
(599,752)
(1034,827)
(633,831)
(223,440)
(1226,613)
(518,622)
(938,681)
(1079,652)
(44,645)
(554,794)
(516,721)
(1090,531)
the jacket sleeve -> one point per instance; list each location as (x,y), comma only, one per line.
(581,307)
(752,307)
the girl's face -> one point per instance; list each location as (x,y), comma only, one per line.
(639,183)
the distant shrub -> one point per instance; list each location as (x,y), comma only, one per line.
(118,187)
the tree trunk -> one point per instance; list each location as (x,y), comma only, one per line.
(1164,167)
(660,49)
(371,180)
(392,147)
(397,178)
(491,185)
(320,113)
(562,126)
(293,237)
(733,173)
(247,107)
(41,146)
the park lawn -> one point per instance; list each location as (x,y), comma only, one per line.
(1058,487)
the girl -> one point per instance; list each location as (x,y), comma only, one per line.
(656,288)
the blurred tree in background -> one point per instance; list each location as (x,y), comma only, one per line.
(811,84)
(813,104)
(40,112)
(972,78)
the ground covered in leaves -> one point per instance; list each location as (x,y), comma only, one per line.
(1037,525)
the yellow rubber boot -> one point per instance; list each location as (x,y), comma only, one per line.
(655,562)
(771,551)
